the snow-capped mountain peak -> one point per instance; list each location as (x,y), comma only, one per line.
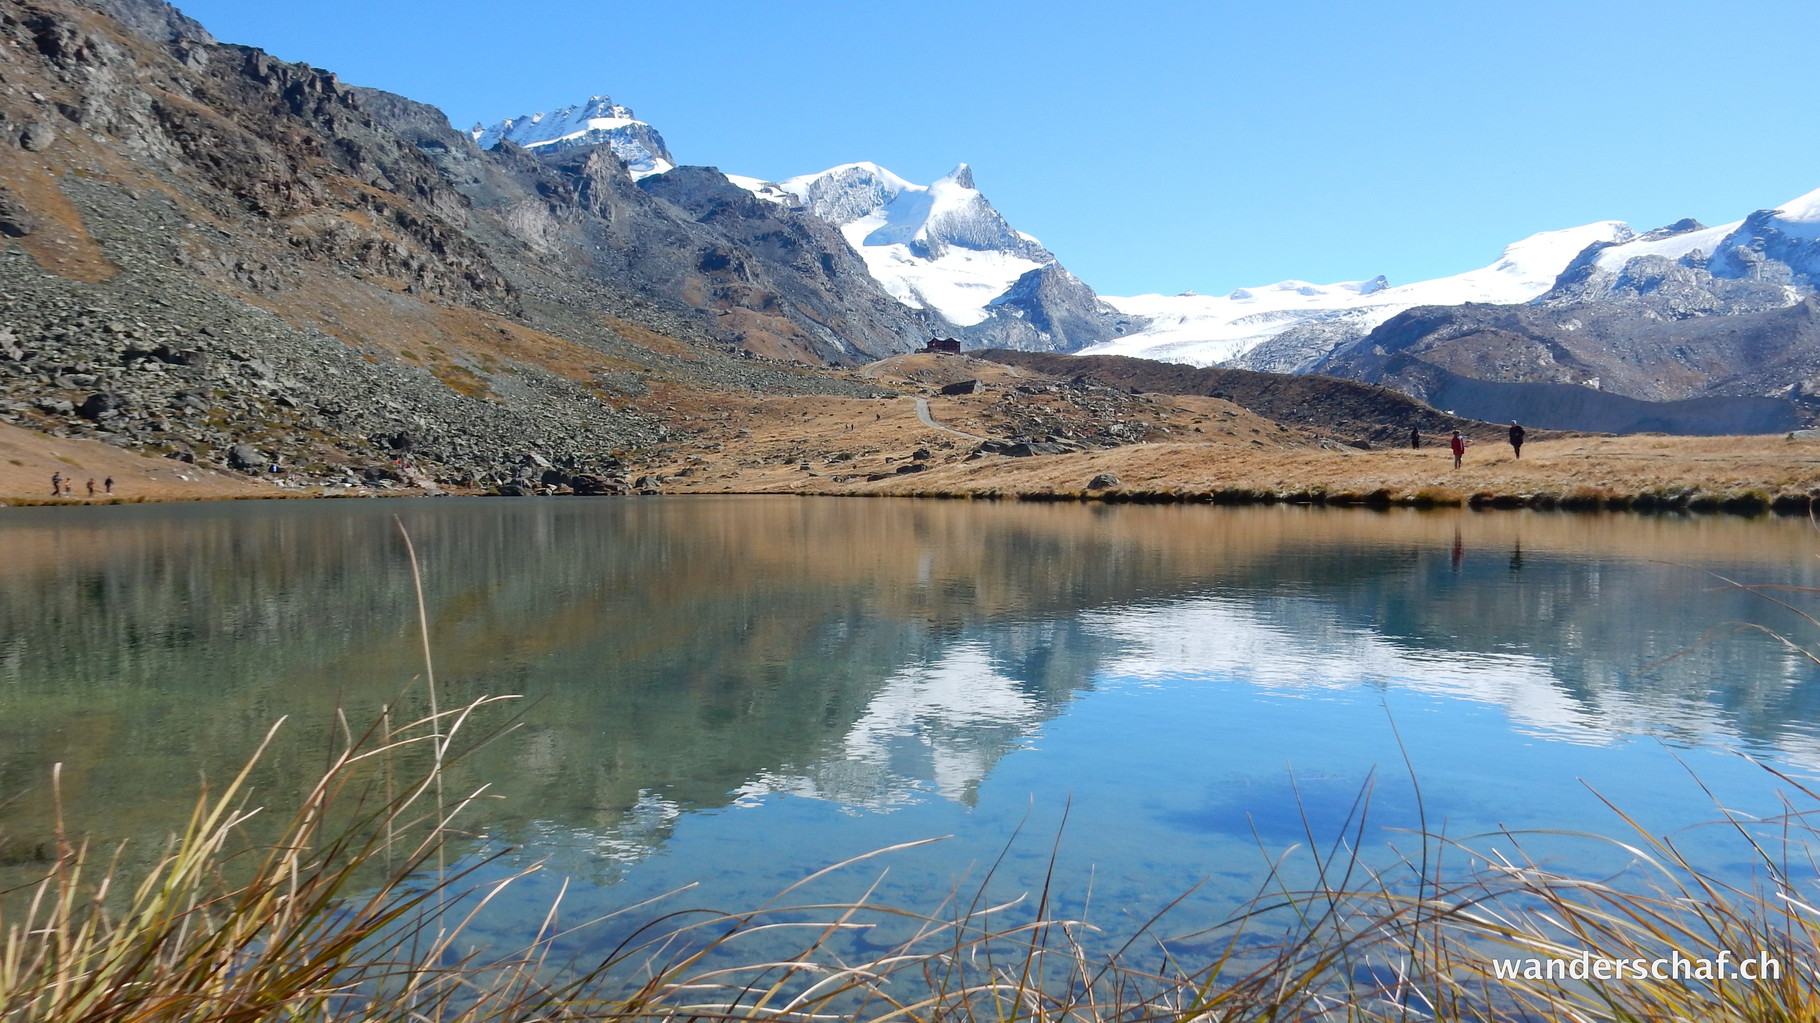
(598,121)
(940,246)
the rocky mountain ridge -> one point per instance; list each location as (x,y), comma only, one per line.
(212,254)
(1611,302)
(941,250)
(1724,316)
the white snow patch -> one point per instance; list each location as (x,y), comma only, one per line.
(959,284)
(1706,240)
(1802,210)
(770,191)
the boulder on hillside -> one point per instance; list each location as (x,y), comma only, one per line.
(97,407)
(590,485)
(37,136)
(245,458)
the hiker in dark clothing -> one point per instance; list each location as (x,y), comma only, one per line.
(56,484)
(1415,437)
(1516,439)
(109,484)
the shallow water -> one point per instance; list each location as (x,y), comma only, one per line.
(734,693)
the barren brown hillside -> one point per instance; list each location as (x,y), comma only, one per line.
(1156,446)
(1177,447)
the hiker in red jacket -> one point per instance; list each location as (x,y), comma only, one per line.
(1458,443)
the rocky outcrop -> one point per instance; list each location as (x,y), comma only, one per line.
(1379,415)
(1049,310)
(760,246)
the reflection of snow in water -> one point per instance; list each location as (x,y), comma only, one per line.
(639,832)
(1288,648)
(936,727)
(935,731)
(932,729)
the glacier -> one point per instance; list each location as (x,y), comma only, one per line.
(1205,330)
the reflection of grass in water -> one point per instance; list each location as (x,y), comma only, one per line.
(298,928)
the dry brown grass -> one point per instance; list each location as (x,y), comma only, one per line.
(648,339)
(761,446)
(61,243)
(27,460)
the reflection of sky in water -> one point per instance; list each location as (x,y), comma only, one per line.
(1214,735)
(733,695)
(1226,638)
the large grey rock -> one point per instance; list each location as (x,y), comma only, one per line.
(245,457)
(101,406)
(38,136)
(1026,449)
(590,485)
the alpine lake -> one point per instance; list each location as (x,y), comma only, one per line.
(1127,705)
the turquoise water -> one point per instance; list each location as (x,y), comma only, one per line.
(725,696)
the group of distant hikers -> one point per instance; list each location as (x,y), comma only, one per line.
(62,486)
(1458,443)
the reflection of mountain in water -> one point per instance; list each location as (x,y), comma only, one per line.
(683,655)
(1599,649)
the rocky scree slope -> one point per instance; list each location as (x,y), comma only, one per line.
(212,254)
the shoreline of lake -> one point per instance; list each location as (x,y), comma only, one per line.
(1642,473)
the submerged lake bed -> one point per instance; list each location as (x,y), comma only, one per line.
(1131,702)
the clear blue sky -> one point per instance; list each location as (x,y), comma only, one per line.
(1159,146)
